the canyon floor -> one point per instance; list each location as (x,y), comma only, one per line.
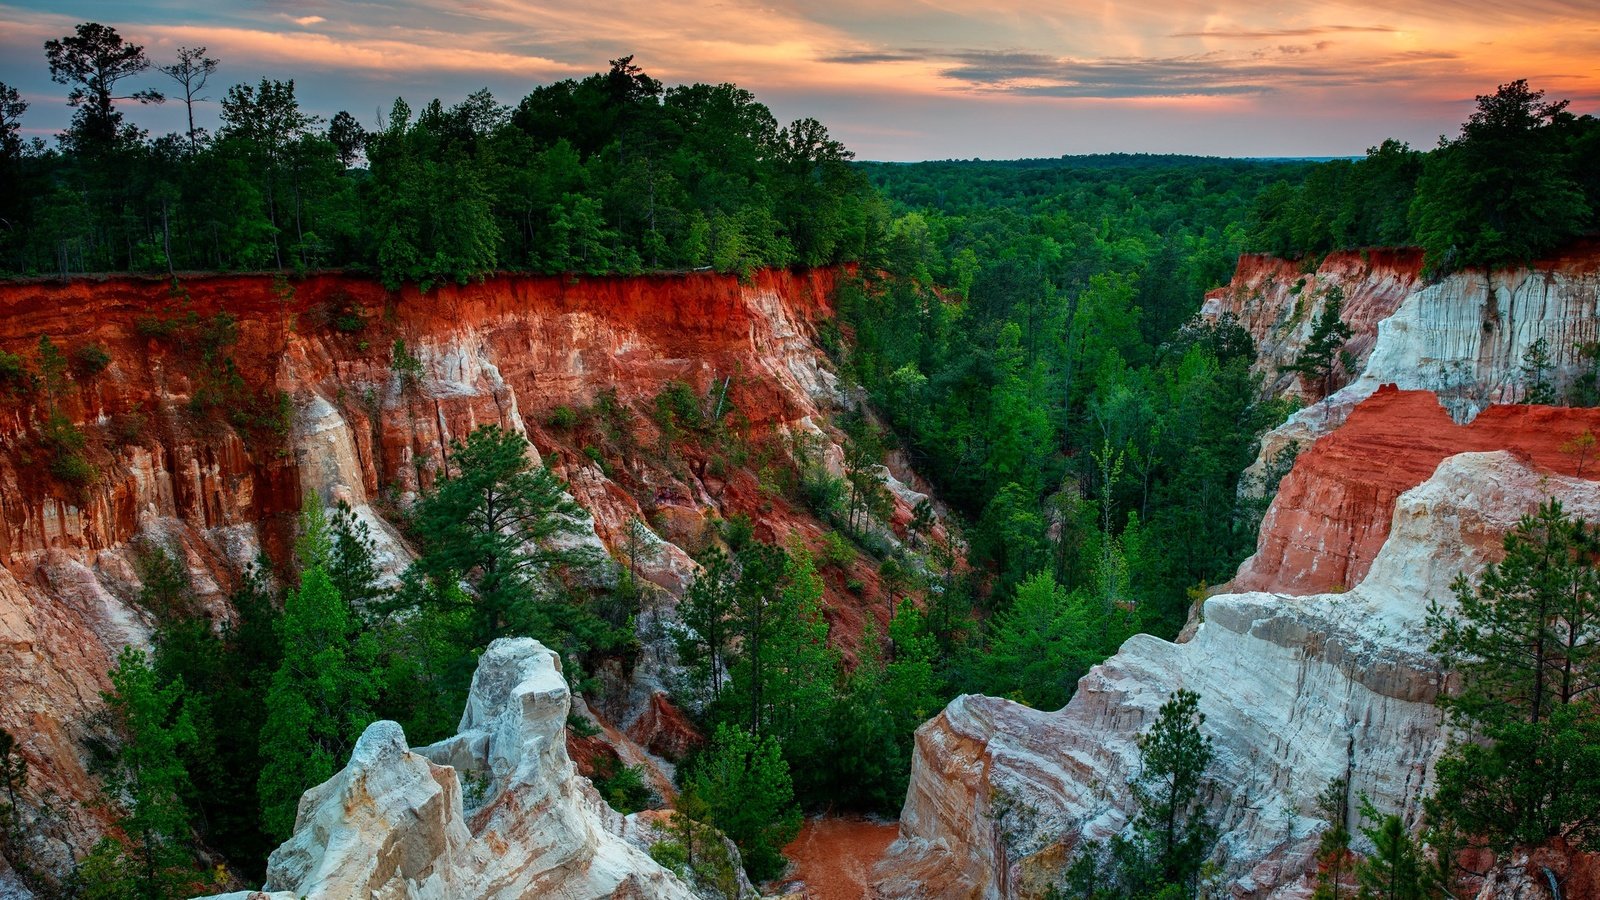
(833,857)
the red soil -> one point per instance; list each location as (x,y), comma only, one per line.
(1333,511)
(833,857)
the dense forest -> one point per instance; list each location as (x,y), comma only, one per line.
(1025,333)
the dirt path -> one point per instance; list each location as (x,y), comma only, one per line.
(834,856)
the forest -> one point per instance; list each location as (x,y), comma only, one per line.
(1025,333)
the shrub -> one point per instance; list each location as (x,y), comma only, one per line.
(836,550)
(15,377)
(90,360)
(563,417)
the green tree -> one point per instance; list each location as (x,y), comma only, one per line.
(321,695)
(744,782)
(1172,836)
(1501,191)
(495,518)
(145,783)
(1042,644)
(1334,859)
(704,642)
(1525,642)
(1396,869)
(1535,370)
(93,61)
(1321,360)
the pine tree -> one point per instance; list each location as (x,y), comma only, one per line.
(319,699)
(745,784)
(1536,365)
(703,643)
(1396,869)
(1323,355)
(494,519)
(1333,850)
(1042,645)
(1172,835)
(1525,641)
(145,784)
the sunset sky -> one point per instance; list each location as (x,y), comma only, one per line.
(895,79)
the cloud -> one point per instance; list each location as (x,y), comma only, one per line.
(308,20)
(869,57)
(1274,33)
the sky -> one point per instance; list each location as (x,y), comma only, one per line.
(893,79)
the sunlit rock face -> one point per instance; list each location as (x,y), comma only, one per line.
(497,812)
(374,385)
(1297,688)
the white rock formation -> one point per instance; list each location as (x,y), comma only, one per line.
(1466,338)
(497,811)
(1296,691)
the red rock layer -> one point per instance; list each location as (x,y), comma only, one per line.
(1277,302)
(1333,511)
(509,350)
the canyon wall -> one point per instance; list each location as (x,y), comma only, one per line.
(1297,690)
(1464,336)
(226,400)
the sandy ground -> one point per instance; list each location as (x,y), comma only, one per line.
(833,857)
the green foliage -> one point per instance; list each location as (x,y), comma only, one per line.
(1396,868)
(1334,859)
(1319,363)
(577,177)
(623,787)
(145,784)
(890,693)
(1045,642)
(89,360)
(493,519)
(225,674)
(164,587)
(744,782)
(1171,838)
(1525,642)
(322,693)
(1510,187)
(1535,371)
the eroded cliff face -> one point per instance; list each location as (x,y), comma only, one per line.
(1465,337)
(205,434)
(1278,302)
(1297,690)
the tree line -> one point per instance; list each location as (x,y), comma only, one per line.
(611,173)
(1516,183)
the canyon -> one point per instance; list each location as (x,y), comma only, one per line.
(343,390)
(1312,663)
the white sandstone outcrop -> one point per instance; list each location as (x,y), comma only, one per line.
(1296,691)
(497,811)
(1466,338)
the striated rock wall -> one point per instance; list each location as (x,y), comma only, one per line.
(1278,302)
(1297,690)
(1465,336)
(1333,511)
(217,485)
(497,812)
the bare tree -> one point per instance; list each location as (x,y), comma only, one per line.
(192,70)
